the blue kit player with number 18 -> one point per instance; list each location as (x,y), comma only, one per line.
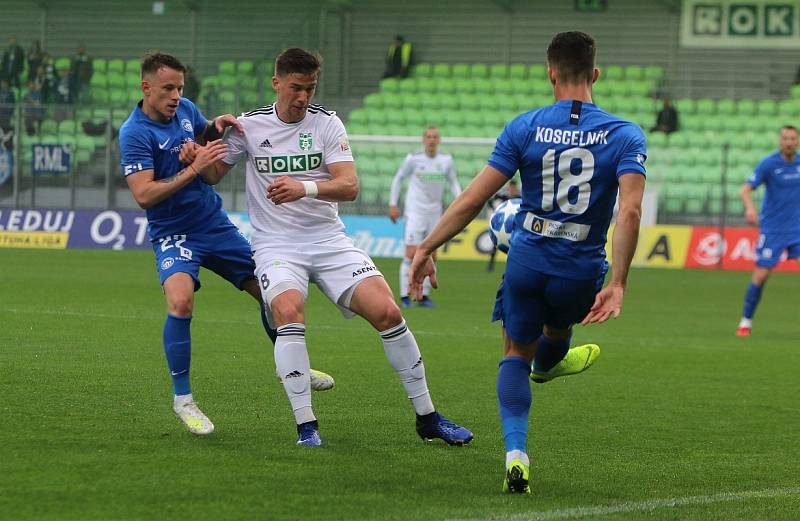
(573,160)
(187,226)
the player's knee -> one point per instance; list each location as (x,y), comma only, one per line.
(287,313)
(181,305)
(387,316)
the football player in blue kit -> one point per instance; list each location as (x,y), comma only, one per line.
(573,160)
(186,223)
(779,221)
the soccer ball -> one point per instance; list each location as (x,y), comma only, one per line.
(501,224)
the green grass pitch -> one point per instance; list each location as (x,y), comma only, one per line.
(678,419)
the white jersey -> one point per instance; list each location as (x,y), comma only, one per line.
(429,175)
(302,150)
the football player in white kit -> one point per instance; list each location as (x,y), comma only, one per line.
(429,172)
(299,164)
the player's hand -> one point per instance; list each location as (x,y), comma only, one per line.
(394,213)
(421,267)
(752,216)
(607,304)
(285,190)
(206,156)
(188,152)
(228,120)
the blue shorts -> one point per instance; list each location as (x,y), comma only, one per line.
(527,300)
(223,250)
(769,248)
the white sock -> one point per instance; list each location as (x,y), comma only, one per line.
(404,266)
(746,322)
(426,287)
(294,368)
(516,454)
(403,353)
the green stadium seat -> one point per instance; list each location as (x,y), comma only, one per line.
(498,71)
(119,115)
(395,117)
(62,64)
(133,80)
(115,80)
(541,87)
(745,107)
(99,96)
(613,72)
(49,126)
(653,73)
(423,70)
(227,99)
(374,100)
(99,65)
(414,117)
(248,83)
(116,66)
(83,114)
(133,66)
(118,97)
(376,116)
(640,87)
(789,107)
(794,91)
(357,129)
(98,81)
(441,70)
(464,86)
(460,70)
(431,102)
(479,70)
(679,140)
(454,118)
(408,85)
(249,98)
(227,68)
(488,103)
(685,106)
(767,107)
(634,72)
(445,86)
(358,117)
(426,85)
(706,106)
(726,107)
(469,102)
(245,68)
(537,71)
(389,85)
(656,139)
(410,100)
(392,101)
(517,71)
(484,86)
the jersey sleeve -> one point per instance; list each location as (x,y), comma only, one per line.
(237,145)
(452,177)
(199,122)
(397,183)
(336,145)
(135,150)
(634,154)
(759,175)
(506,158)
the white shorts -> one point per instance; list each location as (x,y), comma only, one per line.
(335,266)
(418,226)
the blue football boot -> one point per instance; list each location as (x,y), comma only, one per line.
(434,425)
(309,434)
(426,302)
(405,302)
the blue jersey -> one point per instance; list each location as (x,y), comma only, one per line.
(780,209)
(569,156)
(148,144)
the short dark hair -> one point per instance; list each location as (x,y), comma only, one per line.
(572,54)
(789,127)
(299,61)
(152,61)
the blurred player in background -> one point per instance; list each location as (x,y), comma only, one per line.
(186,223)
(299,164)
(779,222)
(429,172)
(573,159)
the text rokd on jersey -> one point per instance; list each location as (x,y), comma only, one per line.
(287,164)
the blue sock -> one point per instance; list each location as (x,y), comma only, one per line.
(178,349)
(514,398)
(751,298)
(550,352)
(271,333)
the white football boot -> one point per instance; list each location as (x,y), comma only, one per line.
(321,381)
(190,414)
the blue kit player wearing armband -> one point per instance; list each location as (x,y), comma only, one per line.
(573,159)
(779,222)
(187,226)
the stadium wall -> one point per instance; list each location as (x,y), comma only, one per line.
(659,246)
(353,36)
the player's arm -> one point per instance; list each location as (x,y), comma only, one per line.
(148,191)
(343,186)
(750,212)
(397,186)
(460,213)
(452,176)
(216,128)
(608,302)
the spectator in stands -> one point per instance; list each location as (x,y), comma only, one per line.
(35,56)
(191,85)
(34,112)
(7,100)
(12,63)
(63,90)
(47,78)
(398,58)
(667,118)
(80,74)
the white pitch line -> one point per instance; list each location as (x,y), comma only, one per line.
(648,505)
(495,335)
